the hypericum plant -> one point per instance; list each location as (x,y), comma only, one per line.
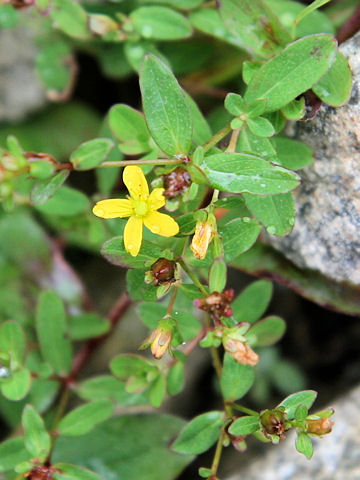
(221,178)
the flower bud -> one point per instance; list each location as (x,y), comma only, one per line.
(41,473)
(162,272)
(201,239)
(160,339)
(320,426)
(176,182)
(273,422)
(217,304)
(241,351)
(102,24)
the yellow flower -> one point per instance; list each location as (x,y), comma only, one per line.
(141,208)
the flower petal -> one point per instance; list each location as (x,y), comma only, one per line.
(161,224)
(113,208)
(133,235)
(135,182)
(156,199)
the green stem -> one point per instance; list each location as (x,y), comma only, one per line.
(159,161)
(240,408)
(217,137)
(215,195)
(217,455)
(193,277)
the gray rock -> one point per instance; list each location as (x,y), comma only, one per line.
(336,457)
(326,233)
(21,91)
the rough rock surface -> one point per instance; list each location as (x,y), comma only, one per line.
(21,92)
(336,457)
(326,236)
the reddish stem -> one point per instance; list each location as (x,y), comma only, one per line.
(85,352)
(350,27)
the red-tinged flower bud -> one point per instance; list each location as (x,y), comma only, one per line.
(229,294)
(217,304)
(320,426)
(273,422)
(41,473)
(241,351)
(162,272)
(176,182)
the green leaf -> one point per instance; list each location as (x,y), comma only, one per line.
(51,330)
(87,325)
(135,53)
(246,19)
(315,22)
(37,440)
(91,153)
(291,403)
(304,445)
(83,419)
(70,18)
(13,342)
(137,288)
(334,88)
(175,379)
(201,130)
(160,23)
(245,173)
(13,229)
(244,425)
(53,66)
(208,21)
(310,8)
(73,472)
(301,412)
(9,16)
(234,104)
(17,386)
(189,325)
(252,303)
(200,433)
(296,69)
(236,379)
(275,212)
(43,190)
(108,387)
(217,275)
(114,252)
(183,4)
(238,236)
(166,111)
(66,202)
(261,146)
(205,472)
(157,391)
(295,110)
(124,366)
(260,127)
(292,154)
(12,452)
(112,449)
(129,127)
(266,331)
